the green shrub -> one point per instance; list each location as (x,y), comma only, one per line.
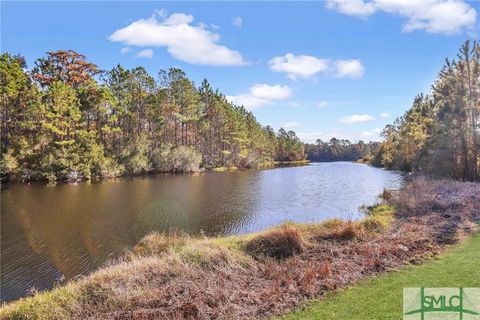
(109,168)
(180,159)
(137,163)
(185,159)
(160,159)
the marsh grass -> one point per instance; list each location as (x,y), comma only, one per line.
(278,243)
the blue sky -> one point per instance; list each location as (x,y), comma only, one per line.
(334,68)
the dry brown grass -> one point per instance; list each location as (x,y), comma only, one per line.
(345,231)
(179,277)
(156,243)
(421,196)
(450,207)
(279,243)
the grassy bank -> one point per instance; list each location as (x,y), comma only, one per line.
(279,163)
(159,256)
(264,274)
(381,297)
(262,165)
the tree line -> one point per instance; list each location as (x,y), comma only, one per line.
(65,119)
(440,133)
(341,150)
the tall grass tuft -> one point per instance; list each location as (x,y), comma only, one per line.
(344,231)
(279,243)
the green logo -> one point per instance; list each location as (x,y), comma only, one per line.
(441,303)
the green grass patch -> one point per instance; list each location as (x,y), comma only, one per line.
(381,297)
(379,218)
(46,306)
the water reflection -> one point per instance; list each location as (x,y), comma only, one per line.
(67,230)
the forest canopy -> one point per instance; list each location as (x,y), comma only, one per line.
(341,150)
(440,134)
(65,119)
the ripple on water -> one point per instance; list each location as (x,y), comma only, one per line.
(51,232)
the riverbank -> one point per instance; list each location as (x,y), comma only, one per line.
(264,165)
(259,166)
(296,162)
(381,297)
(268,273)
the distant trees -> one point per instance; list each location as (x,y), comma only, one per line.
(68,120)
(440,133)
(340,150)
(65,119)
(289,147)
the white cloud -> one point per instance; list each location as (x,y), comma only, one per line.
(375,133)
(300,66)
(304,67)
(261,94)
(290,125)
(357,8)
(349,68)
(268,92)
(352,136)
(433,16)
(125,50)
(322,104)
(184,41)
(357,118)
(237,22)
(385,115)
(147,53)
(248,101)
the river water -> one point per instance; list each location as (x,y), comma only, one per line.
(58,232)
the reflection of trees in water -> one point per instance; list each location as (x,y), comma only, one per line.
(65,230)
(22,264)
(70,230)
(210,204)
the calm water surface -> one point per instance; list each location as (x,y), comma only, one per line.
(52,233)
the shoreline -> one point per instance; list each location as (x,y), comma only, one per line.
(372,298)
(263,166)
(155,244)
(298,262)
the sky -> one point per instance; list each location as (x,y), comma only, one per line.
(342,68)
